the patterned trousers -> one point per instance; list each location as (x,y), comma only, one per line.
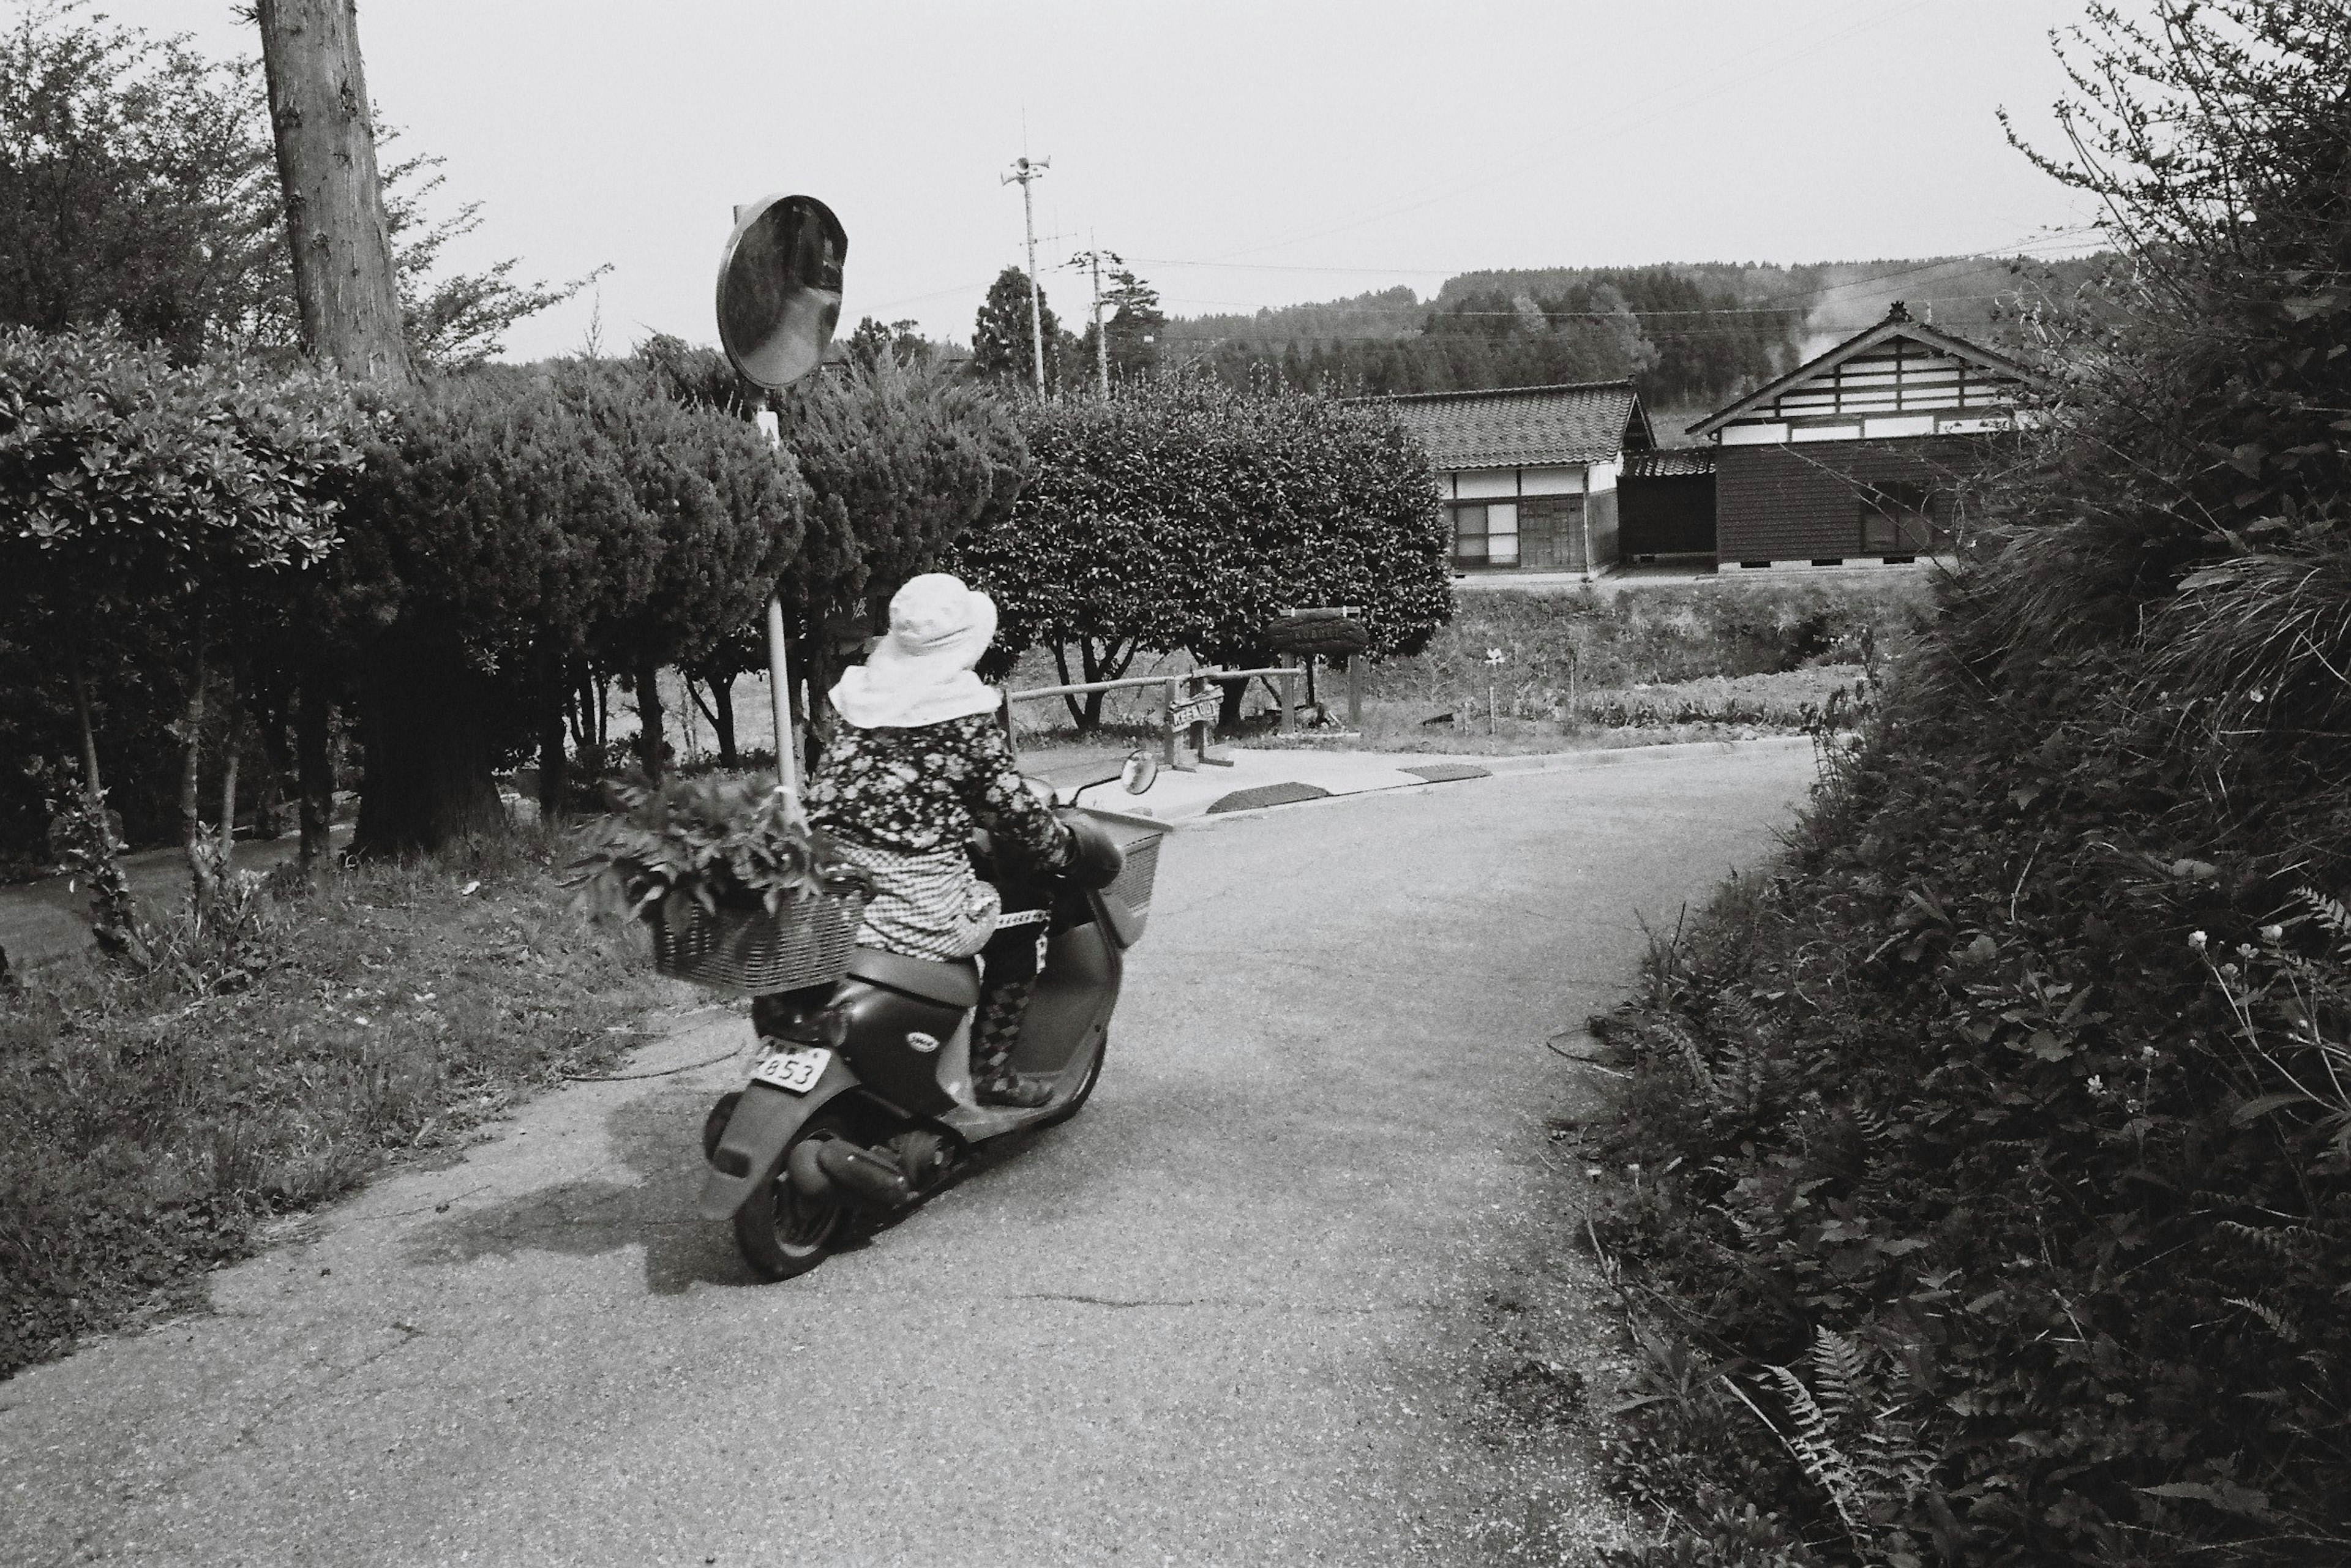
(1012,958)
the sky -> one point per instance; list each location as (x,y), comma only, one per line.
(1237,155)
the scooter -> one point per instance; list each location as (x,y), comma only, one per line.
(861,1101)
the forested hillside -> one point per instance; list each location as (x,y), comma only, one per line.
(1691,335)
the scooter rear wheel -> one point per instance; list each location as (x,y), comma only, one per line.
(781,1230)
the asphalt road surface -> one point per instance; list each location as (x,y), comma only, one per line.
(1243,1309)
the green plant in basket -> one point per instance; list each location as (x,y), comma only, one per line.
(711,843)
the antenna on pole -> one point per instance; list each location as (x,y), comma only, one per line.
(1025,171)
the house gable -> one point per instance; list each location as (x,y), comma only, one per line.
(1900,378)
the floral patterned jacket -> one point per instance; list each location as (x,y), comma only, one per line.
(922,789)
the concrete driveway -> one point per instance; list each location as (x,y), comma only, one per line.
(1238,1312)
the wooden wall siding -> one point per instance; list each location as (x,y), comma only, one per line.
(1550,533)
(1784,503)
(1601,528)
(1673,515)
(1898,376)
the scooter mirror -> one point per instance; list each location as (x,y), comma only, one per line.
(1142,771)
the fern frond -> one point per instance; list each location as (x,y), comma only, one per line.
(2280,1324)
(1842,1370)
(1813,1442)
(2330,913)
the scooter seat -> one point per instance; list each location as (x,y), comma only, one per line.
(952,982)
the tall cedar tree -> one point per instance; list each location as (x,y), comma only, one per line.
(1000,338)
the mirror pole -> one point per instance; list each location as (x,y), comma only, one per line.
(780,690)
(781,694)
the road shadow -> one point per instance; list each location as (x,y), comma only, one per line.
(658,1137)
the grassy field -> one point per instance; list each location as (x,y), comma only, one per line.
(149,1124)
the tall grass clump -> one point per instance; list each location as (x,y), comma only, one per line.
(154,1112)
(1995,1152)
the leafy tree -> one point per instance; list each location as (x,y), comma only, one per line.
(1183,514)
(138,183)
(1000,338)
(901,340)
(141,495)
(901,455)
(510,527)
(729,510)
(1132,327)
(132,187)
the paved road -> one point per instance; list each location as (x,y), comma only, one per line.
(1236,1312)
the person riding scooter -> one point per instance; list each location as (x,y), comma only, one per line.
(919,761)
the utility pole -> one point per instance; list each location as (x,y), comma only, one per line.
(1026,173)
(1094,259)
(1101,337)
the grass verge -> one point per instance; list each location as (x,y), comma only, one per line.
(150,1123)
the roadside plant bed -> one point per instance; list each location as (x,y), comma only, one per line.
(150,1121)
(1984,1181)
(1830,696)
(1556,646)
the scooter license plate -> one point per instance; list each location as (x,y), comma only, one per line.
(796,1070)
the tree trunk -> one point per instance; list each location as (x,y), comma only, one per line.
(90,784)
(229,758)
(269,800)
(719,710)
(649,718)
(554,682)
(432,743)
(335,228)
(314,766)
(722,719)
(203,883)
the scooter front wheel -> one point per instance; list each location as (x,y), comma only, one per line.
(781,1230)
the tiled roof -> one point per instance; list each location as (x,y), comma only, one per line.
(1525,426)
(1679,463)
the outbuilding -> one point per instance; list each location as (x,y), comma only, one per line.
(1870,451)
(1528,475)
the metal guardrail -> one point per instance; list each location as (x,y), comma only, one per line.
(1178,713)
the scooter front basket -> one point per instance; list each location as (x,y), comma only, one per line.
(750,952)
(1127,900)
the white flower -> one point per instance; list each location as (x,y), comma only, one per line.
(2273,933)
(2196,941)
(2097,1085)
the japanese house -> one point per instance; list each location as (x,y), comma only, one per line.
(1870,451)
(1528,475)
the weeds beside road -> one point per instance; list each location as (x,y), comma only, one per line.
(149,1123)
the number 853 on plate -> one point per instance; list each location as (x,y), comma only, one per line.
(795,1070)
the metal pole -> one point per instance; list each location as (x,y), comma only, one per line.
(779,688)
(781,694)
